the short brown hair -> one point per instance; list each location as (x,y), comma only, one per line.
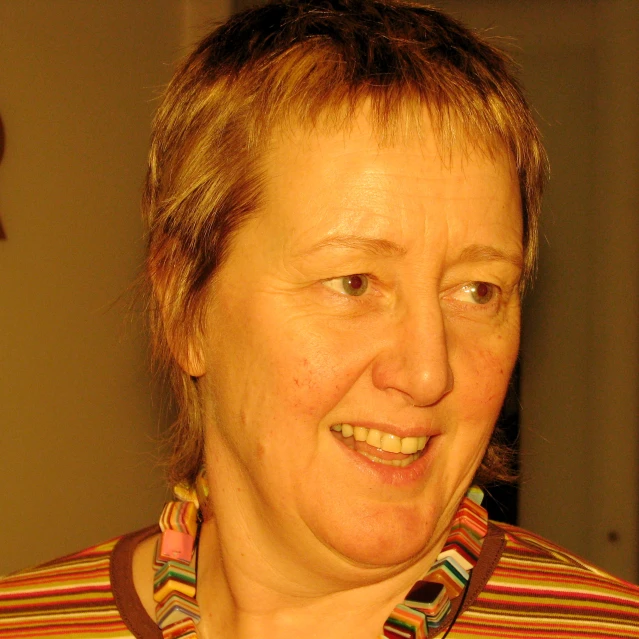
(296,62)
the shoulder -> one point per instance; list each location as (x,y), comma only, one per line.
(73,596)
(528,556)
(538,589)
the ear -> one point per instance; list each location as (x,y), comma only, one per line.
(189,356)
(182,335)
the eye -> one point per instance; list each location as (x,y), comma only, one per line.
(353,285)
(480,292)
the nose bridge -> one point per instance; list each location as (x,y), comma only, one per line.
(416,360)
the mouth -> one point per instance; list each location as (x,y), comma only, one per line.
(379,446)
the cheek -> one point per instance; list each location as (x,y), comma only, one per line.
(482,379)
(492,374)
(282,366)
(317,372)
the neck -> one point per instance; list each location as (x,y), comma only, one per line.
(264,595)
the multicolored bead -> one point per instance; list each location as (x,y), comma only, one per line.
(407,622)
(174,576)
(183,629)
(450,574)
(174,583)
(429,597)
(472,518)
(475,494)
(179,516)
(176,546)
(175,607)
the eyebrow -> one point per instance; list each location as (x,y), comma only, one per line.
(386,248)
(486,253)
(372,246)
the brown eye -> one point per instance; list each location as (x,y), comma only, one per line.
(351,285)
(355,284)
(481,292)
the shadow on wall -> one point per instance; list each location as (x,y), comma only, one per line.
(3,235)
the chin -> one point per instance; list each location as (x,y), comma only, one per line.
(384,536)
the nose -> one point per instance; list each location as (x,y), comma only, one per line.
(415,360)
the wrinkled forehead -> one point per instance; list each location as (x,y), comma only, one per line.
(349,181)
(408,125)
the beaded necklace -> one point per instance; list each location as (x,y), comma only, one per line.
(423,612)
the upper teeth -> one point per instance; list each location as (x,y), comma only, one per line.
(380,439)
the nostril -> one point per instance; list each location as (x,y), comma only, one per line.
(415,359)
(422,383)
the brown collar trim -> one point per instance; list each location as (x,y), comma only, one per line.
(491,552)
(126,598)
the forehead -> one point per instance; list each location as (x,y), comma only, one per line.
(323,183)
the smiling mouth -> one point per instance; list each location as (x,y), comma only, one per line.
(381,447)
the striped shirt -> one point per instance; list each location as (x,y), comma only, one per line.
(523,586)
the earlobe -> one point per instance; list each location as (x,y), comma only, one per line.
(193,360)
(183,342)
(180,335)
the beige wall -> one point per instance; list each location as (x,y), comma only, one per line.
(78,431)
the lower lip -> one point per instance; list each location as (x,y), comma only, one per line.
(395,475)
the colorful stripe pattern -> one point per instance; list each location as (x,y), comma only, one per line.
(540,590)
(537,590)
(69,597)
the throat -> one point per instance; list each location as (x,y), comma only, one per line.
(239,605)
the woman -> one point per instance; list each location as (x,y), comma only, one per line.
(342,203)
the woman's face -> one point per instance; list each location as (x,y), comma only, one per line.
(375,293)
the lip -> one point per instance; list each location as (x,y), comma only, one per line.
(404,477)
